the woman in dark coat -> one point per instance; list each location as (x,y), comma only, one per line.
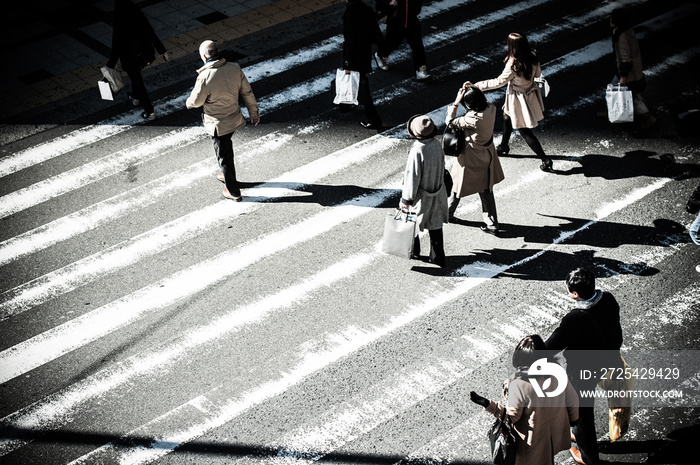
(477,168)
(360,31)
(133,41)
(424,185)
(523,107)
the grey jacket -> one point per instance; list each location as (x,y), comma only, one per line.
(424,184)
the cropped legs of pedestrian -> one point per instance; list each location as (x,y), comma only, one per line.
(530,139)
(364,97)
(488,209)
(138,89)
(584,432)
(224,155)
(396,32)
(437,247)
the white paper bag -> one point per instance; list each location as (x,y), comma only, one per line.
(113,77)
(399,231)
(620,106)
(346,87)
(543,85)
(105,90)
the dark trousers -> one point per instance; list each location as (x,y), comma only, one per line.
(396,31)
(223,146)
(488,207)
(364,97)
(584,430)
(437,246)
(138,89)
(527,134)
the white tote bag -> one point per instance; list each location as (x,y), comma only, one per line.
(346,87)
(113,77)
(399,231)
(620,106)
(105,90)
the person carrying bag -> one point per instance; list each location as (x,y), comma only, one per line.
(540,424)
(477,167)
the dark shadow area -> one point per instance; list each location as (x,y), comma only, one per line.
(631,165)
(601,234)
(323,194)
(678,449)
(560,262)
(203,448)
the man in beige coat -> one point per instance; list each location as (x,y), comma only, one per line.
(218,88)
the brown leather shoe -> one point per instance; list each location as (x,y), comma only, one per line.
(576,455)
(228,195)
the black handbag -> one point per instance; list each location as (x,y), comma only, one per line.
(502,441)
(452,141)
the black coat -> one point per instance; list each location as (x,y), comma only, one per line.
(399,12)
(593,327)
(133,38)
(360,31)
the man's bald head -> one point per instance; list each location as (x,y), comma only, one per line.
(208,50)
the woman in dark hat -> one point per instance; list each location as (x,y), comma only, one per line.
(423,185)
(477,168)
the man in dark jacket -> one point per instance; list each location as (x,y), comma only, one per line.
(590,336)
(402,22)
(360,31)
(133,41)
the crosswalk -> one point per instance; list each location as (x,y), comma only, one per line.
(146,320)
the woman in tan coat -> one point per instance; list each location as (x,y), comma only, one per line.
(477,168)
(523,106)
(541,424)
(628,59)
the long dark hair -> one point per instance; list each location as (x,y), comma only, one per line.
(524,58)
(474,99)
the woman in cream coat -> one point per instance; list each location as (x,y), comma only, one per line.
(542,424)
(523,107)
(477,168)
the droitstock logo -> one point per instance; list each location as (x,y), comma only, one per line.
(541,368)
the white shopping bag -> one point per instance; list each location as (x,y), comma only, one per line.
(543,85)
(620,106)
(113,77)
(346,87)
(399,231)
(105,90)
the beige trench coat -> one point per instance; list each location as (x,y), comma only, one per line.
(217,89)
(540,431)
(477,168)
(523,102)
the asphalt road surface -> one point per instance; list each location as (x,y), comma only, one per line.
(145,319)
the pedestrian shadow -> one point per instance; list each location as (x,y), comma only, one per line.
(662,232)
(325,195)
(203,449)
(678,449)
(551,266)
(632,164)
